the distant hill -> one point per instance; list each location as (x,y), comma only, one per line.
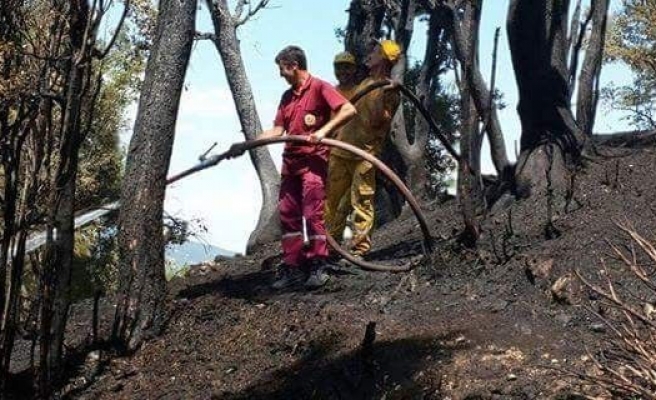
(191,252)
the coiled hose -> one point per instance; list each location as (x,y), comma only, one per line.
(239,148)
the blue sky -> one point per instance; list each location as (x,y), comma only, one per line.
(227,198)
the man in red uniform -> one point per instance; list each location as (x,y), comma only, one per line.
(305,109)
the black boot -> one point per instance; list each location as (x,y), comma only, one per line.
(318,275)
(288,276)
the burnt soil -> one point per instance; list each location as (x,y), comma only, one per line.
(478,323)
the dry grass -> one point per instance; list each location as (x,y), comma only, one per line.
(626,366)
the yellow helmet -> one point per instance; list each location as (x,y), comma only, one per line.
(344,58)
(390,49)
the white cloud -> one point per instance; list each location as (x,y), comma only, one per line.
(198,102)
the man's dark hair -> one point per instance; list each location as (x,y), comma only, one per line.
(292,54)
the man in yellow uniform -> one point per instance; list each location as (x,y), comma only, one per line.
(345,68)
(368,131)
(346,72)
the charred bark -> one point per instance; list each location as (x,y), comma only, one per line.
(406,150)
(551,142)
(588,84)
(470,190)
(140,310)
(59,265)
(13,241)
(460,35)
(363,28)
(16,117)
(411,146)
(227,44)
(426,87)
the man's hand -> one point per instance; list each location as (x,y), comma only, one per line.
(317,136)
(236,150)
(393,84)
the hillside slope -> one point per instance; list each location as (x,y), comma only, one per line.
(464,325)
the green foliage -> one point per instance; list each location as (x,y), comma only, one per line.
(100,168)
(178,231)
(173,270)
(632,40)
(96,260)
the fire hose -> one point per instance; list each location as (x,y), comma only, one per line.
(240,148)
(418,104)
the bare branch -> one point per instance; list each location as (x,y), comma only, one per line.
(573,30)
(126,8)
(251,12)
(488,111)
(94,102)
(239,8)
(576,49)
(79,57)
(205,36)
(453,5)
(626,363)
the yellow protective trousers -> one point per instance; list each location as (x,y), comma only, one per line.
(354,178)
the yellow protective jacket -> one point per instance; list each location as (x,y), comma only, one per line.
(371,125)
(353,178)
(348,93)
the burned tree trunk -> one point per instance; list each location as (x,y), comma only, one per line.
(404,152)
(588,85)
(79,98)
(13,239)
(470,191)
(363,28)
(479,92)
(574,43)
(551,142)
(140,309)
(17,115)
(59,262)
(412,145)
(227,44)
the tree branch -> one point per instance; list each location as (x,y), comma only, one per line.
(251,11)
(452,5)
(575,51)
(126,8)
(58,98)
(573,30)
(94,102)
(205,36)
(239,8)
(493,73)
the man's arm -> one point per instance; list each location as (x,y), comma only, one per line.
(238,149)
(383,105)
(273,132)
(345,112)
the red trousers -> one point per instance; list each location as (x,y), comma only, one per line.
(303,195)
